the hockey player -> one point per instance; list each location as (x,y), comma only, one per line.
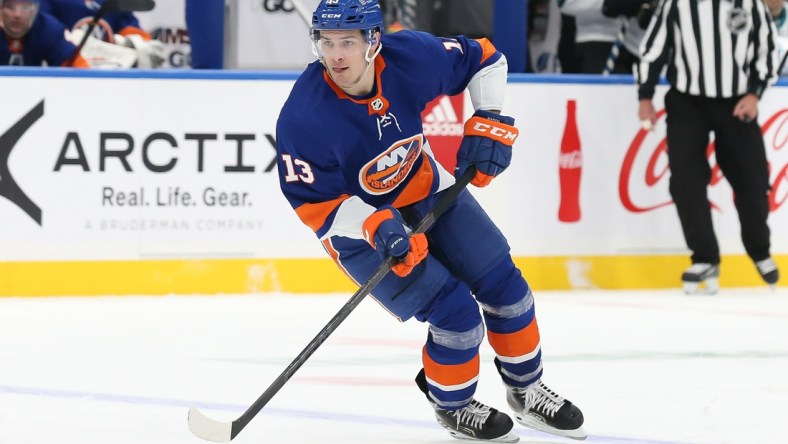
(30,39)
(120,28)
(355,165)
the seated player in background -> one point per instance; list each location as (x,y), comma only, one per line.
(32,39)
(779,12)
(120,28)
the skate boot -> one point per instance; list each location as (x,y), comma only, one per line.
(542,409)
(699,274)
(768,271)
(476,421)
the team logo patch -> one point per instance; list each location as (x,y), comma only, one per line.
(385,172)
(738,20)
(377,104)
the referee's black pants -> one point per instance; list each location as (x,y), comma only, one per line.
(741,155)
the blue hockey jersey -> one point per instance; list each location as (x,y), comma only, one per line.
(43,42)
(342,157)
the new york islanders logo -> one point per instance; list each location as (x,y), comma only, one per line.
(385,172)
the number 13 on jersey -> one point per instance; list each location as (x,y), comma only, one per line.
(304,172)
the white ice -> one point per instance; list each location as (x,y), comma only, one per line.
(645,367)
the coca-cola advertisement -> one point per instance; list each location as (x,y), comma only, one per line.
(570,167)
(589,180)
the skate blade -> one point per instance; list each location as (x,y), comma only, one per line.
(706,288)
(537,424)
(510,437)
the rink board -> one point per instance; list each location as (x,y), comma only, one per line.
(309,276)
(167,184)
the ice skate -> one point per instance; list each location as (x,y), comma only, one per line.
(701,278)
(768,271)
(475,422)
(542,409)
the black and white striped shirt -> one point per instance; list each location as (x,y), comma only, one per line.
(713,48)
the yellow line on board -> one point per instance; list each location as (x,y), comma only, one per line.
(215,276)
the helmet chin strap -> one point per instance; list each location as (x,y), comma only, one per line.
(369,63)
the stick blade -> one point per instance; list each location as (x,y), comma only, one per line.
(209,429)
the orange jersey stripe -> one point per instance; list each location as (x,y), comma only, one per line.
(419,186)
(487,49)
(448,375)
(315,215)
(515,344)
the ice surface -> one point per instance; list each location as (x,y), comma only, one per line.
(645,367)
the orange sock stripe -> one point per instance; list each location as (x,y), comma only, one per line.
(451,374)
(515,344)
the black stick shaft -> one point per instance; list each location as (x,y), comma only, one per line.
(94,21)
(440,206)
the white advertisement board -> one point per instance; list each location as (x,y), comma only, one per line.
(163,169)
(167,23)
(269,34)
(624,203)
(182,168)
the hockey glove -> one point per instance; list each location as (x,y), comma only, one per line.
(385,231)
(487,143)
(150,53)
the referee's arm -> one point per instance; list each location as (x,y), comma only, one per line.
(654,51)
(765,63)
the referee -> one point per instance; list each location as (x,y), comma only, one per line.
(720,56)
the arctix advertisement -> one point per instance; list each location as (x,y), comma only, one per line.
(142,168)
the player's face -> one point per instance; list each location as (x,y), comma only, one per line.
(344,53)
(18,16)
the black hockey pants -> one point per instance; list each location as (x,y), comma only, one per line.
(741,155)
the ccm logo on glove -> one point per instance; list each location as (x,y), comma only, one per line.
(505,134)
(487,143)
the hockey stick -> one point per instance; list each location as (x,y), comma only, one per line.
(305,15)
(217,431)
(615,50)
(105,8)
